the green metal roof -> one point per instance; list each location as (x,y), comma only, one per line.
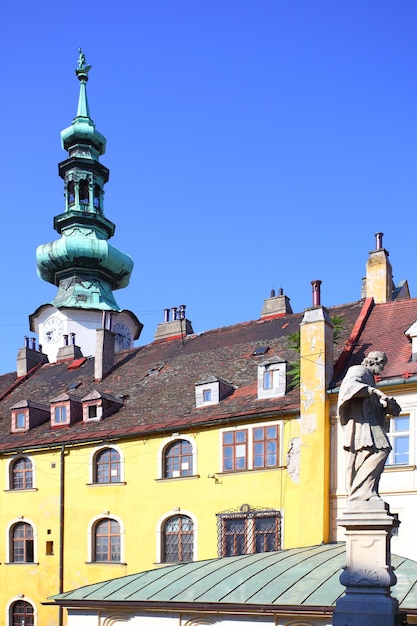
(302,577)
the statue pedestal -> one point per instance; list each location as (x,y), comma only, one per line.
(368,575)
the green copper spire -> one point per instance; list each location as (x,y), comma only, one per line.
(82,73)
(83,265)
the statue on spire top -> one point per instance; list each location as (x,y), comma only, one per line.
(82,67)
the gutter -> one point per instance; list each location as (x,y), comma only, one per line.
(103,438)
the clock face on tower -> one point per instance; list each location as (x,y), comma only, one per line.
(123,336)
(52,330)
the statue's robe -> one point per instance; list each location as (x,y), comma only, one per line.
(363,420)
(361,413)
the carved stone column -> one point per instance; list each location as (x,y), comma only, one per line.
(368,575)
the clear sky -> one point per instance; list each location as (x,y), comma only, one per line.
(251,145)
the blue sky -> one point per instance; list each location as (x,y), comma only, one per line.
(251,145)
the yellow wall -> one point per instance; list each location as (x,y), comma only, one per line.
(316,352)
(140,504)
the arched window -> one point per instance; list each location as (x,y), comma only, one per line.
(21,543)
(107,541)
(21,474)
(84,192)
(178,459)
(96,198)
(71,192)
(21,614)
(178,539)
(107,466)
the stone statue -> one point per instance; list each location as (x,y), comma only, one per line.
(82,67)
(362,409)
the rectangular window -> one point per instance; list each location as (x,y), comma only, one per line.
(92,411)
(268,376)
(206,395)
(49,548)
(265,446)
(60,414)
(399,437)
(235,450)
(20,420)
(247,532)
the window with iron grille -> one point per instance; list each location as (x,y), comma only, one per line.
(21,474)
(107,541)
(178,540)
(22,543)
(107,466)
(21,614)
(248,530)
(178,459)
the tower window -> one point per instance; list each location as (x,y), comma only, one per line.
(84,192)
(71,192)
(96,198)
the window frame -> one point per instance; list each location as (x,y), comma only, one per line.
(11,614)
(93,469)
(182,536)
(233,446)
(28,542)
(161,456)
(182,456)
(91,538)
(394,436)
(59,408)
(109,536)
(112,465)
(26,471)
(160,525)
(251,453)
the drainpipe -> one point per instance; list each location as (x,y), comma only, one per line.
(61,530)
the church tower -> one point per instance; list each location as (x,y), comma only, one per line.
(82,264)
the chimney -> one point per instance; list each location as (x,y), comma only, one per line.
(27,357)
(175,328)
(104,359)
(379,283)
(316,292)
(69,351)
(276,306)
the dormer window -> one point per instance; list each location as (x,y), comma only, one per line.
(412,334)
(20,420)
(97,405)
(66,409)
(272,378)
(211,390)
(27,415)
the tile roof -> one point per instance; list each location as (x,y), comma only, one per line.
(384,330)
(299,577)
(165,400)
